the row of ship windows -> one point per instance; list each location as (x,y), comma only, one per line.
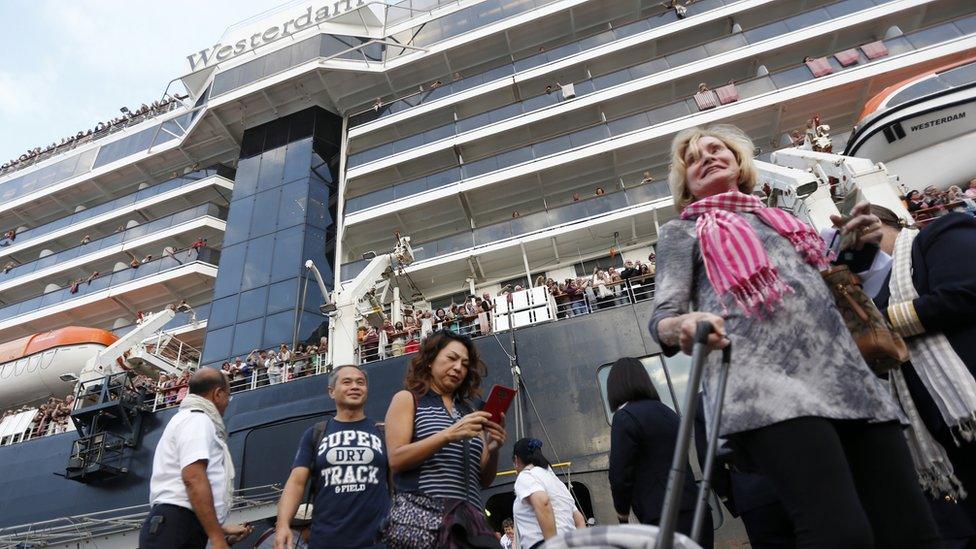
(108,280)
(659,115)
(91,159)
(133,198)
(356,48)
(127,235)
(529,223)
(832,11)
(606,81)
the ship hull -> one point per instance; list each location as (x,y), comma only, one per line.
(559,362)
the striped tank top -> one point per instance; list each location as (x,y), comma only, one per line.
(442,474)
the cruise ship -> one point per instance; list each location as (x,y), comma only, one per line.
(477,145)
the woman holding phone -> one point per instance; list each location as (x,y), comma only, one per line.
(543,506)
(441,451)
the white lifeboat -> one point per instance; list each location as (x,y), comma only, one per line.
(923,128)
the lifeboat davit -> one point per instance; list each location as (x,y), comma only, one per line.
(31,368)
(923,128)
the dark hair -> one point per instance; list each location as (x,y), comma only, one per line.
(628,380)
(529,450)
(887,217)
(911,194)
(508,523)
(206,380)
(334,376)
(417,380)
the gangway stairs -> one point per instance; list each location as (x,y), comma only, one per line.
(119,528)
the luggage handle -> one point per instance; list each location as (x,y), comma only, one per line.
(679,463)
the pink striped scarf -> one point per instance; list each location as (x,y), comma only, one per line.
(735,260)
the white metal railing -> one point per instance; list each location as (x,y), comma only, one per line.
(173,350)
(583,301)
(107,528)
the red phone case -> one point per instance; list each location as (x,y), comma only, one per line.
(499,399)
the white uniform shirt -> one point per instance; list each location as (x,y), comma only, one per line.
(536,479)
(189,437)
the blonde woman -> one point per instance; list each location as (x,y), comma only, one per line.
(801,407)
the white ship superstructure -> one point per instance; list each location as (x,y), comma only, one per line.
(507,138)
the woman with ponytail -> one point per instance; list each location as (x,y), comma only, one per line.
(543,506)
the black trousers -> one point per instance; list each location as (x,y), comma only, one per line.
(843,483)
(172,527)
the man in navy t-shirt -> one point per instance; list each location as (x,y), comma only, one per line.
(348,468)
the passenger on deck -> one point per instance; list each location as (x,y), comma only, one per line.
(351,496)
(802,407)
(192,483)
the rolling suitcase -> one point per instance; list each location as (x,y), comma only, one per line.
(635,536)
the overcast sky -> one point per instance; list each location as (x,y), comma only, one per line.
(67,64)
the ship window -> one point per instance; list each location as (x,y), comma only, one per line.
(283,296)
(247,336)
(586,268)
(658,367)
(918,89)
(253,304)
(260,469)
(960,75)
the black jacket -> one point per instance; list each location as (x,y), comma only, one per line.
(642,440)
(944,275)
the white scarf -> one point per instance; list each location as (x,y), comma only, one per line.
(197,402)
(945,377)
(944,374)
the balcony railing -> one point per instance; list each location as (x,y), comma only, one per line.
(531,62)
(108,280)
(529,223)
(585,87)
(587,301)
(116,239)
(670,112)
(115,204)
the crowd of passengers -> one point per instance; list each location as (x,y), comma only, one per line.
(52,417)
(932,202)
(75,285)
(128,117)
(276,365)
(474,317)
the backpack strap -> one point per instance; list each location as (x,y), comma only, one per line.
(318,434)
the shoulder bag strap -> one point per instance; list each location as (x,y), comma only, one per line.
(319,436)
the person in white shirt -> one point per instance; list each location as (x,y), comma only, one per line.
(274,369)
(508,537)
(191,488)
(543,506)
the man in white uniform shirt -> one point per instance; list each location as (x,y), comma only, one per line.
(192,480)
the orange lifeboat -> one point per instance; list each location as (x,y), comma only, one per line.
(31,367)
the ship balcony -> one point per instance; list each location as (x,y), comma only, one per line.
(115,298)
(174,232)
(613,44)
(104,219)
(451,37)
(106,168)
(768,106)
(533,114)
(553,235)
